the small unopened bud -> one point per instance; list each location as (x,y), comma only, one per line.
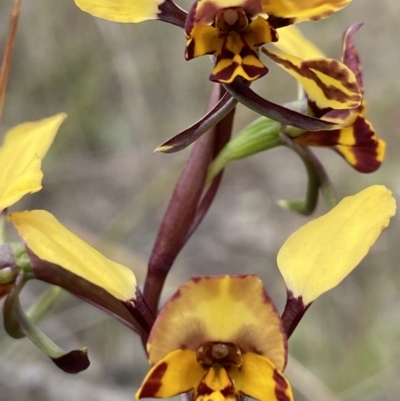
(262,134)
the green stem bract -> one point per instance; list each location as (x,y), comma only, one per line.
(317,178)
(22,258)
(262,134)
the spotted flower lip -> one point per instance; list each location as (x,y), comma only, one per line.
(234,30)
(218,337)
(357,141)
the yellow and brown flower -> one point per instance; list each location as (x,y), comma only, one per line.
(218,338)
(233,31)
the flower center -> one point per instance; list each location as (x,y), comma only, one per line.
(231,20)
(224,354)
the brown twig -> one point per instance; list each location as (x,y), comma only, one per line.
(7,55)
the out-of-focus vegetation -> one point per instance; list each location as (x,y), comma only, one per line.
(127,88)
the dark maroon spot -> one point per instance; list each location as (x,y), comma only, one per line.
(319,138)
(225,74)
(280,387)
(294,311)
(279,22)
(154,382)
(73,362)
(177,295)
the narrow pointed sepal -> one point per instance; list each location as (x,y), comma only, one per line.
(351,57)
(239,90)
(327,82)
(319,255)
(191,134)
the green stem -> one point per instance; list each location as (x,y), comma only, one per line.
(259,136)
(3,227)
(317,178)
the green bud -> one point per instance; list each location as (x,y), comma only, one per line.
(262,134)
(22,258)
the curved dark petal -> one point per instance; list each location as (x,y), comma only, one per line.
(240,90)
(172,13)
(350,54)
(189,135)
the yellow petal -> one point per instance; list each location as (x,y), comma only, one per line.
(204,40)
(233,309)
(319,255)
(327,82)
(52,242)
(303,10)
(177,373)
(258,378)
(121,10)
(292,41)
(20,158)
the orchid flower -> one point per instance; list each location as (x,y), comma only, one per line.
(233,31)
(217,337)
(221,338)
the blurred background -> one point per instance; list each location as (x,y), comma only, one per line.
(126,89)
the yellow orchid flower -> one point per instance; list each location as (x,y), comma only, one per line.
(233,32)
(218,338)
